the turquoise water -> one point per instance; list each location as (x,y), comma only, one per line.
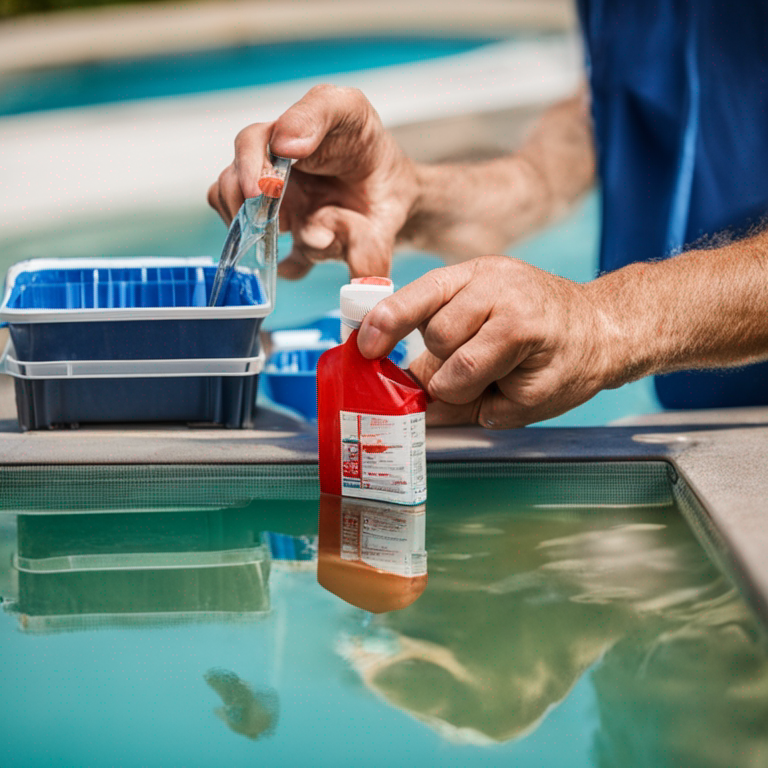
(570,619)
(103,82)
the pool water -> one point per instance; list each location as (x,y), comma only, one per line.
(171,616)
(103,82)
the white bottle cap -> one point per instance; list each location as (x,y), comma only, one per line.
(358,298)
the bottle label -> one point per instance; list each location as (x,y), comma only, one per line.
(384,537)
(384,457)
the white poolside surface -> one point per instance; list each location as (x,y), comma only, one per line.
(68,166)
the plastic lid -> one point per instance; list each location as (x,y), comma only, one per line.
(359,297)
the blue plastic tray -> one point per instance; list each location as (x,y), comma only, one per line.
(229,401)
(127,288)
(139,309)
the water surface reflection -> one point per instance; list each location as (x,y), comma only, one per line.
(548,634)
(520,607)
(372,554)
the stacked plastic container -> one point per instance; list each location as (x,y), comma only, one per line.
(133,340)
(147,339)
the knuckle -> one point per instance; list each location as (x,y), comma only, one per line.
(493,262)
(440,281)
(242,139)
(356,97)
(439,338)
(466,363)
(527,399)
(346,92)
(226,177)
(339,94)
(323,89)
(523,397)
(354,104)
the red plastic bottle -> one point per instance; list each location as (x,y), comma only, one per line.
(370,418)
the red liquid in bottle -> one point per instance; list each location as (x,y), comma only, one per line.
(370,428)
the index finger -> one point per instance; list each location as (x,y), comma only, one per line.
(251,156)
(405,310)
(324,112)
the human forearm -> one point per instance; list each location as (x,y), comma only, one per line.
(461,211)
(702,309)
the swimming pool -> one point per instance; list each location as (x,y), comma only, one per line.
(105,82)
(171,616)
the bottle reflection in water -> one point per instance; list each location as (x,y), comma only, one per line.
(372,554)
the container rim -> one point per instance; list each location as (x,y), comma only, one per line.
(128,369)
(120,314)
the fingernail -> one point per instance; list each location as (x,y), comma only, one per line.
(489,424)
(318,237)
(368,340)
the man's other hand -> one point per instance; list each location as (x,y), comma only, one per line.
(350,190)
(507,344)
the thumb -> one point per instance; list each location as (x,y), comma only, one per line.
(340,118)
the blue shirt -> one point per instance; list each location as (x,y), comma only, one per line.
(680,109)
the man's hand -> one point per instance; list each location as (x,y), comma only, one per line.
(354,195)
(508,344)
(350,192)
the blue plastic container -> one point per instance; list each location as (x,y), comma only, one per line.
(290,379)
(228,401)
(157,352)
(138,309)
